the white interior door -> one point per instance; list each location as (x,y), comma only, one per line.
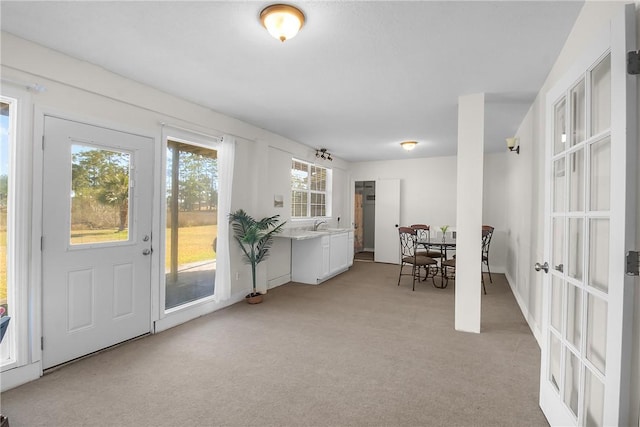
(387,243)
(585,367)
(96,238)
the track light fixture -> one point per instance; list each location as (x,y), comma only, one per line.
(323,154)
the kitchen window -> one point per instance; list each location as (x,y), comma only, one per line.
(310,190)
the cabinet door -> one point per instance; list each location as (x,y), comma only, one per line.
(338,252)
(326,251)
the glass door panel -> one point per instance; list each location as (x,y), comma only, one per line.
(558,185)
(578,113)
(601,96)
(572,382)
(556,303)
(576,240)
(599,253)
(560,128)
(594,399)
(555,357)
(192,223)
(600,175)
(576,181)
(99,195)
(596,332)
(574,315)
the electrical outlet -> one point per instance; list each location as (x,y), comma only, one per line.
(237,275)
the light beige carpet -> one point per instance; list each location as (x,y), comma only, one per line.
(357,350)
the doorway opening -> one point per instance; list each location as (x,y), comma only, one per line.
(364,220)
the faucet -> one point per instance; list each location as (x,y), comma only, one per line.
(317,223)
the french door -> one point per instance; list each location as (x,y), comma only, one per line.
(584,376)
(96,283)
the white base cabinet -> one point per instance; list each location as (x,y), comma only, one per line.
(315,260)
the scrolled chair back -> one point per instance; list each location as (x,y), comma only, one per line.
(423,231)
(407,241)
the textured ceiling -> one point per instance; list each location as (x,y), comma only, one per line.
(359,78)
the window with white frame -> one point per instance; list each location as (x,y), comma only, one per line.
(310,190)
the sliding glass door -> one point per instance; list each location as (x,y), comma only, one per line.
(191,225)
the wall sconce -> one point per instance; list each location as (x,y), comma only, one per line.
(323,154)
(282,21)
(409,145)
(512,145)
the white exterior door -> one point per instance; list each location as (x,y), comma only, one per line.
(97,198)
(585,366)
(387,242)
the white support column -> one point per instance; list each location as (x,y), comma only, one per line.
(469,212)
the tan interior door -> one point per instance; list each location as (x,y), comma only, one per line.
(96,238)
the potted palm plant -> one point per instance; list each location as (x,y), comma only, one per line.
(255,239)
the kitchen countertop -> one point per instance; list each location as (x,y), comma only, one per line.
(303,234)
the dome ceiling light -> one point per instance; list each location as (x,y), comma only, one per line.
(282,21)
(409,145)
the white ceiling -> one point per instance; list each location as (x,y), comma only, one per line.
(359,78)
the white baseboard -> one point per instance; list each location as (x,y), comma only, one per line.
(15,377)
(278,281)
(528,316)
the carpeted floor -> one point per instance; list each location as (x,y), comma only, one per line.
(356,350)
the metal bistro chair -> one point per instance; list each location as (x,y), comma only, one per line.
(408,257)
(423,232)
(487,233)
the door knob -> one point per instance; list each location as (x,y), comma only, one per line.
(146,251)
(544,267)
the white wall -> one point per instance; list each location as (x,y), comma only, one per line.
(525,189)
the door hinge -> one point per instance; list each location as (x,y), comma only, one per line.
(633,62)
(41,243)
(633,263)
(41,343)
(42,142)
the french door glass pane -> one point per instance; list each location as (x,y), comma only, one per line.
(576,181)
(556,303)
(578,113)
(558,185)
(572,382)
(600,175)
(554,362)
(594,400)
(596,332)
(576,239)
(99,195)
(601,96)
(574,315)
(557,254)
(599,253)
(560,126)
(192,223)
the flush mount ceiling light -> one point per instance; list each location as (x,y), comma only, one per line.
(409,145)
(282,21)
